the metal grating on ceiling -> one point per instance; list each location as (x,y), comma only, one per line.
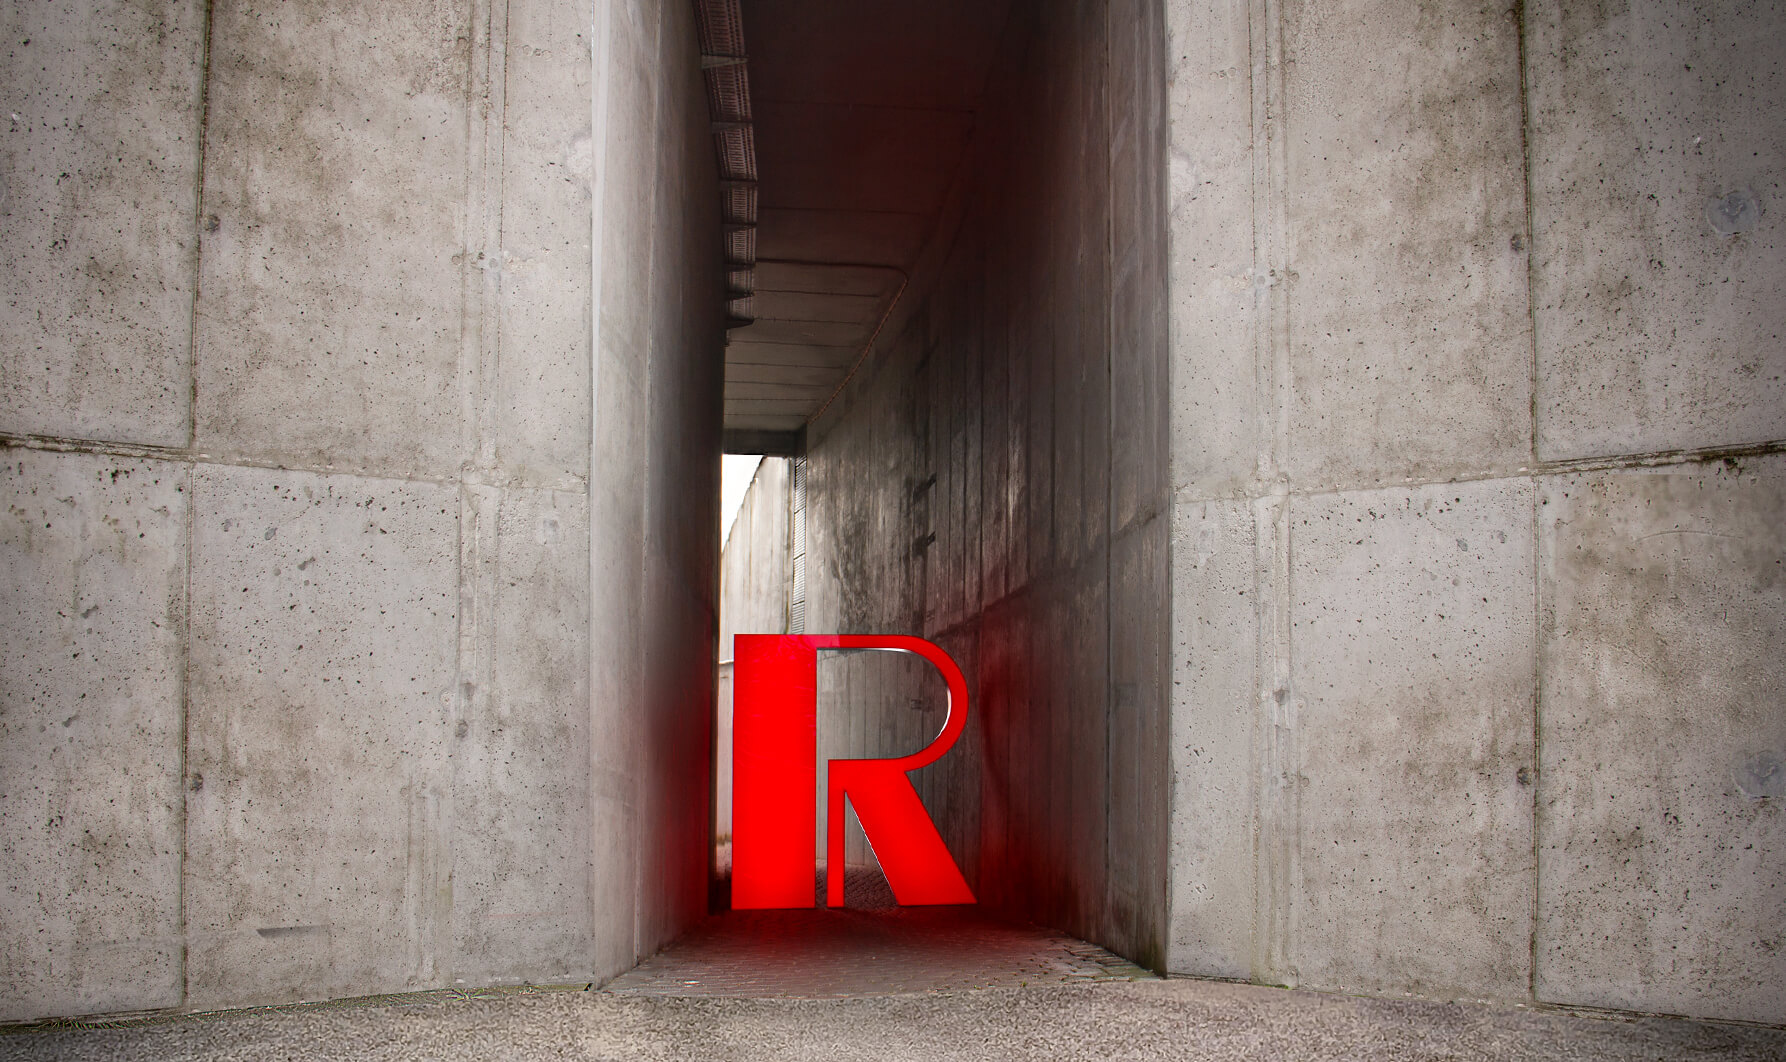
(728,108)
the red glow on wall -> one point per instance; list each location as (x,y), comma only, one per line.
(774,763)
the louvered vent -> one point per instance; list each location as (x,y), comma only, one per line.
(797,592)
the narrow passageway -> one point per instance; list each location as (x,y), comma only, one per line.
(944,261)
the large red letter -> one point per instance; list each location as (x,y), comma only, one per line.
(774,777)
(774,769)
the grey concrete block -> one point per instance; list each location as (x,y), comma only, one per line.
(1412,687)
(320,812)
(1404,197)
(521,841)
(92,605)
(653,485)
(1215,288)
(98,178)
(543,360)
(1662,736)
(335,247)
(1659,282)
(1215,626)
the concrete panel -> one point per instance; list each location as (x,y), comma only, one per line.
(330,324)
(1661,740)
(1412,620)
(1404,198)
(753,599)
(654,484)
(324,640)
(617,484)
(1659,280)
(1214,279)
(1139,760)
(546,312)
(92,602)
(1214,645)
(521,855)
(98,178)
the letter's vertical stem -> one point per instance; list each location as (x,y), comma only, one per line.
(775,770)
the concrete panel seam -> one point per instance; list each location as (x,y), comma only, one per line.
(1275,737)
(185,694)
(1524,241)
(1568,467)
(480,328)
(601,34)
(1271,332)
(1275,742)
(1534,780)
(198,238)
(480,557)
(57,444)
(1109,369)
(185,636)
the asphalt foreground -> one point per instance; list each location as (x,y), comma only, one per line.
(1106,1021)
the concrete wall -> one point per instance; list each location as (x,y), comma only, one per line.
(655,551)
(1476,427)
(754,582)
(995,481)
(298,410)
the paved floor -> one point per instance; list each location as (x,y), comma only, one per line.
(932,984)
(827,954)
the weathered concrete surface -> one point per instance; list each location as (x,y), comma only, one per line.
(1402,203)
(324,633)
(92,603)
(654,484)
(754,576)
(335,251)
(1210,234)
(520,892)
(1410,703)
(98,185)
(754,582)
(1213,654)
(1656,159)
(396,775)
(967,487)
(1190,1020)
(546,313)
(1353,305)
(1662,739)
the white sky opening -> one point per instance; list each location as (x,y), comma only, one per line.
(735,473)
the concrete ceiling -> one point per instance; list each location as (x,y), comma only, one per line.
(862,112)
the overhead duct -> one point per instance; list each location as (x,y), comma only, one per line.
(728,107)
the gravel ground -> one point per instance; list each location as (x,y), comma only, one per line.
(1107,1021)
